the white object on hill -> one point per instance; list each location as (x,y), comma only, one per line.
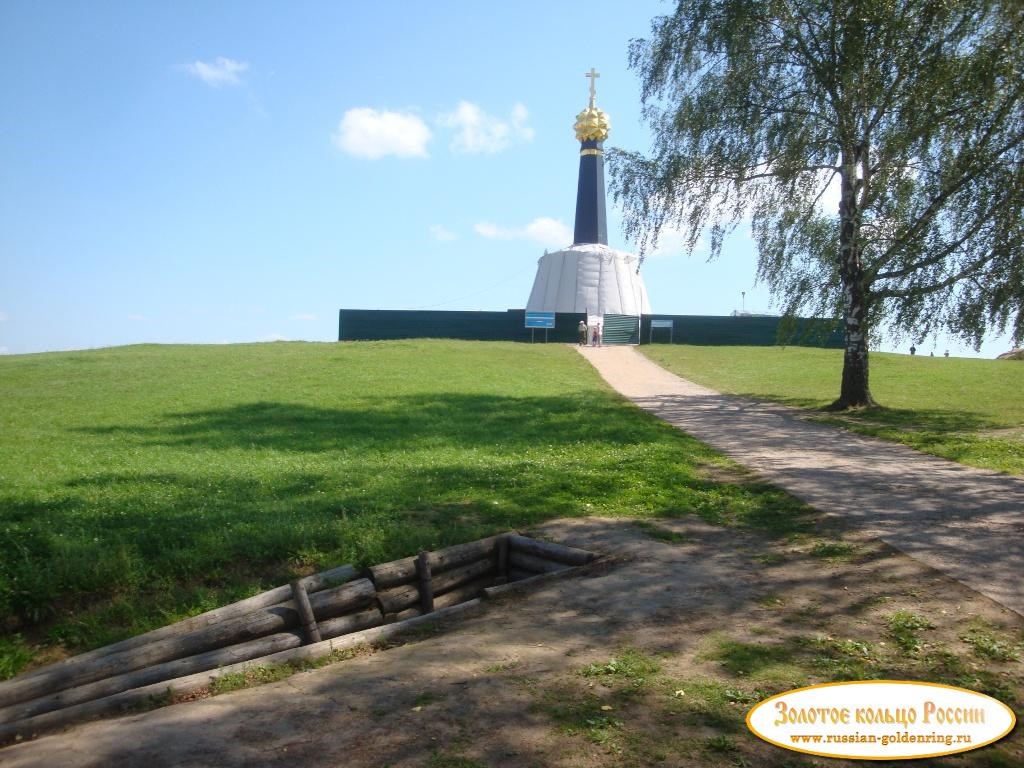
(589,277)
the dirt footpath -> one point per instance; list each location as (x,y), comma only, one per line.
(968,523)
(651,658)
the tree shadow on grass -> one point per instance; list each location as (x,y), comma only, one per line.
(119,552)
(112,551)
(906,419)
(407,422)
(122,552)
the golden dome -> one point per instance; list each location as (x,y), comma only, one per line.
(592,124)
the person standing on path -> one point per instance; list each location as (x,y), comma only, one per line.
(583,333)
(595,339)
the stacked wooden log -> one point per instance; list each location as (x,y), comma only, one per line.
(406,588)
(296,621)
(264,624)
(415,586)
(531,557)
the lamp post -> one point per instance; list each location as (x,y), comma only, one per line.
(743,301)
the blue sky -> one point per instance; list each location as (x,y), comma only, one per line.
(238,171)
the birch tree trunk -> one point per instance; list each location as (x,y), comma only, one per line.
(854,391)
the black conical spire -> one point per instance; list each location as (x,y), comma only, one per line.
(591,130)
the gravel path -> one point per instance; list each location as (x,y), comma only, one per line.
(965,522)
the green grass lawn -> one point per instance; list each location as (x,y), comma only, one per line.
(142,484)
(970,411)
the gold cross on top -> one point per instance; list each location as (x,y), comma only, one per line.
(593,74)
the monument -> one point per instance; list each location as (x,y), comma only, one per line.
(588,276)
(587,279)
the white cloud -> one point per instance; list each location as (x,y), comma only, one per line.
(4,317)
(221,71)
(136,318)
(480,133)
(443,234)
(493,231)
(548,232)
(672,242)
(519,117)
(4,351)
(543,230)
(372,134)
(304,316)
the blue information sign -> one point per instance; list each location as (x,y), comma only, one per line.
(540,319)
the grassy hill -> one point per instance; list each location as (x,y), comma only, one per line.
(142,484)
(970,411)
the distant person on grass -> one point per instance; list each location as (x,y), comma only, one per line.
(583,333)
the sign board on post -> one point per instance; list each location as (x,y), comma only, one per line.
(670,324)
(543,320)
(540,319)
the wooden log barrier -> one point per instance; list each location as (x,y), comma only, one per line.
(456,577)
(528,580)
(524,562)
(301,600)
(458,595)
(423,578)
(408,613)
(252,628)
(502,575)
(397,599)
(135,697)
(549,551)
(232,654)
(154,674)
(332,602)
(15,690)
(503,557)
(397,572)
(463,593)
(352,622)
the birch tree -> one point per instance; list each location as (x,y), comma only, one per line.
(915,108)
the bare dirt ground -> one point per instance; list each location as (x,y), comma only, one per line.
(652,657)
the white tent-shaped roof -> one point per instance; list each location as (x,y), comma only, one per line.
(591,278)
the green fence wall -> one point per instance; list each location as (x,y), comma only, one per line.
(379,324)
(748,330)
